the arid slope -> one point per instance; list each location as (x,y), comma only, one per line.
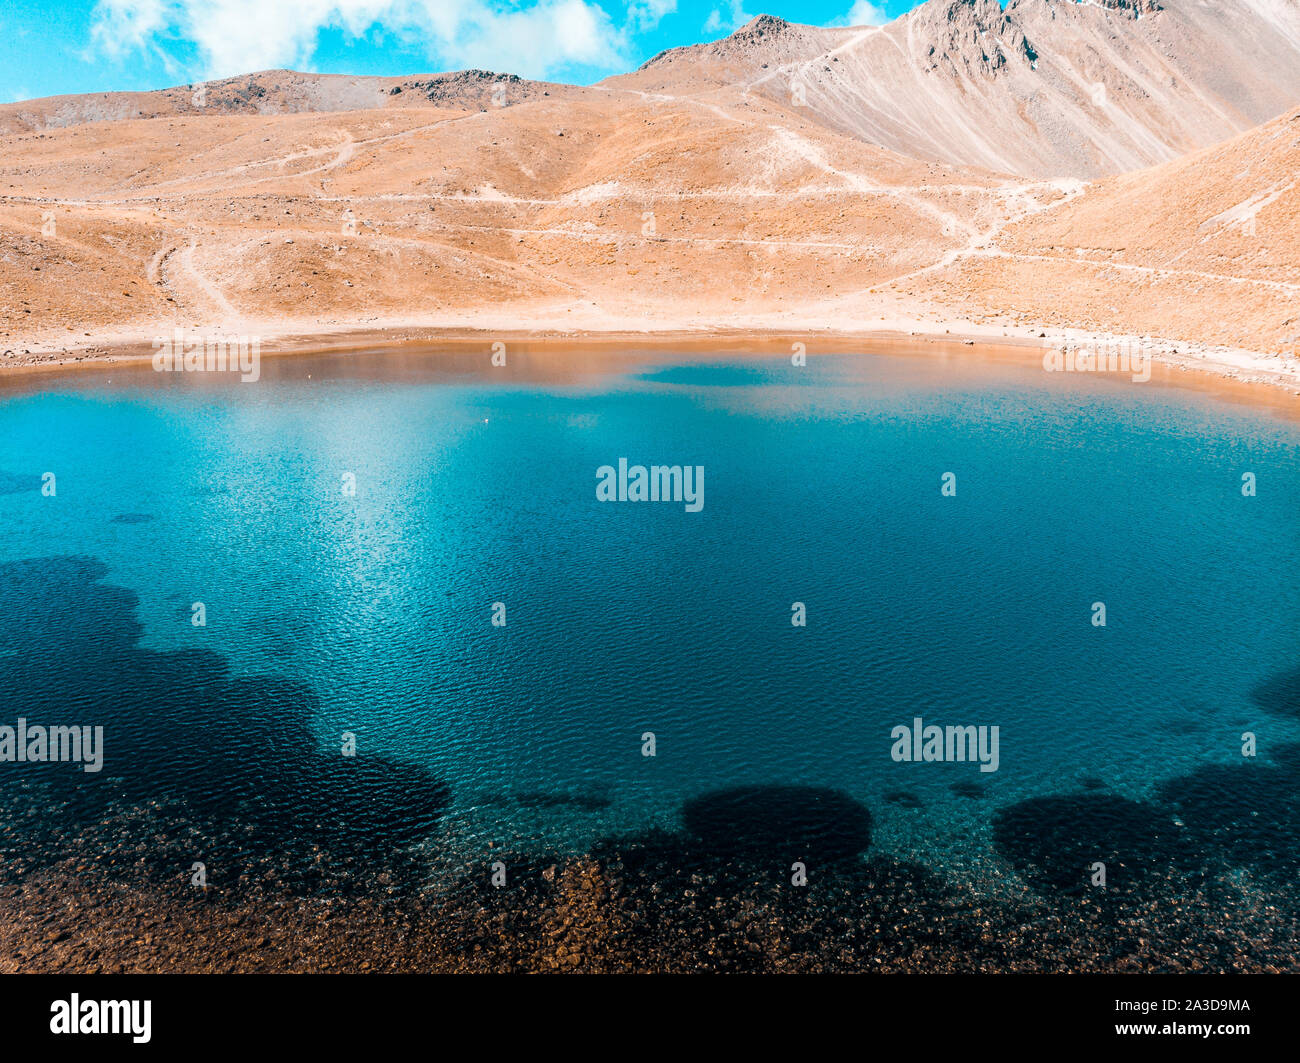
(650,210)
(1044,88)
(273,92)
(1205,247)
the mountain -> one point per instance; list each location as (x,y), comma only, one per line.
(272,92)
(1045,88)
(1042,88)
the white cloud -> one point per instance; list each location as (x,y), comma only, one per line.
(863,13)
(533,41)
(122,26)
(237,36)
(735,17)
(647,14)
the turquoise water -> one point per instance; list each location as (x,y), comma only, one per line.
(371,613)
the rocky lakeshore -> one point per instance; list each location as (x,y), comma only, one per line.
(643,904)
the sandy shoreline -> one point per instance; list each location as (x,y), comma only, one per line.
(1250,377)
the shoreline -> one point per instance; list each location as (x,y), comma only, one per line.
(1270,378)
(639,904)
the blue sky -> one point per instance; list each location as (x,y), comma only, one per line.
(51,47)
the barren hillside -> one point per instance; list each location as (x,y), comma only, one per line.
(649,209)
(275,92)
(1045,88)
(1206,247)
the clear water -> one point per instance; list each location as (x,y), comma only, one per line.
(372,613)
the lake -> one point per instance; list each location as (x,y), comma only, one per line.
(375,601)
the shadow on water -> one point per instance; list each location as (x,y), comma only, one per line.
(12,483)
(1248,814)
(1216,818)
(1055,841)
(1279,694)
(779,823)
(233,759)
